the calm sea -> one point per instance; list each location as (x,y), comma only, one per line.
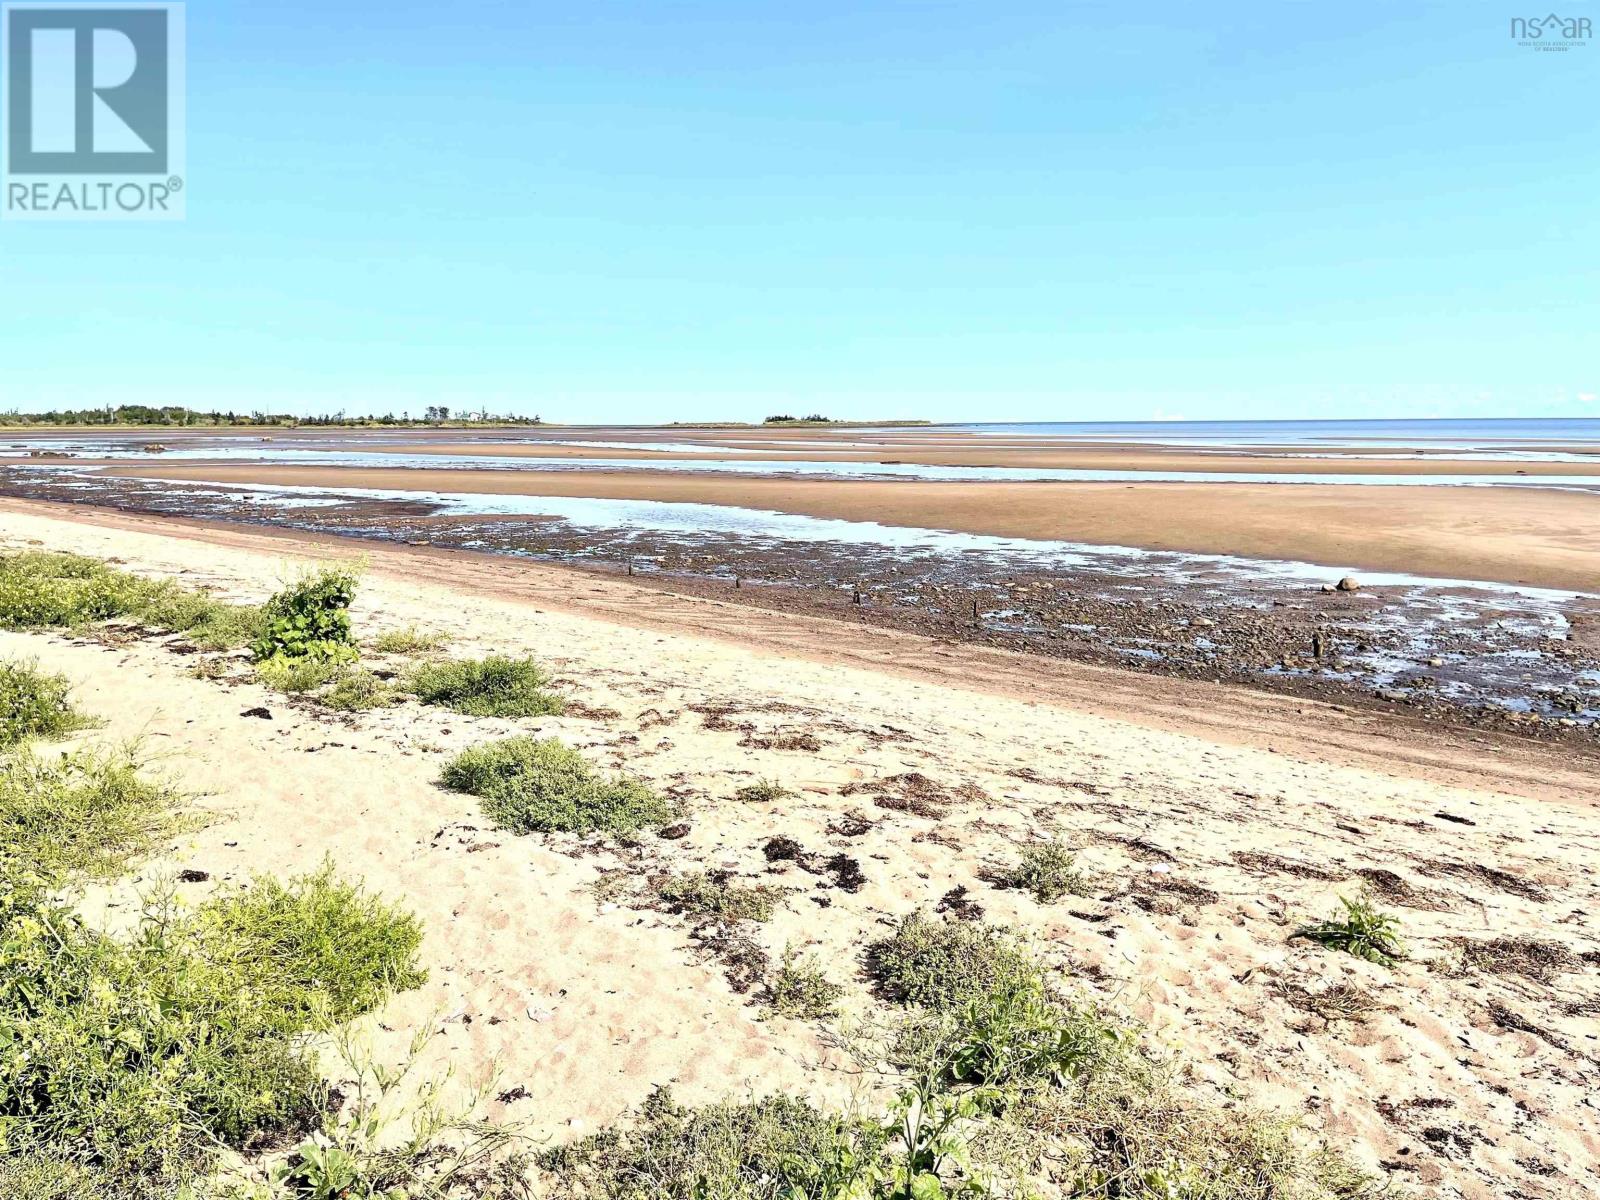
(1443,434)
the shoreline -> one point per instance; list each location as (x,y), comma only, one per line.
(1536,538)
(1357,735)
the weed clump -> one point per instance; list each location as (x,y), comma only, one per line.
(495,686)
(773,1148)
(763,791)
(712,894)
(801,989)
(310,619)
(357,691)
(944,965)
(1361,930)
(295,676)
(34,704)
(127,1059)
(531,785)
(1050,871)
(410,640)
(81,814)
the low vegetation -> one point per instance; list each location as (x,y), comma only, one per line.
(296,676)
(35,705)
(1050,871)
(778,1147)
(125,1061)
(531,785)
(800,989)
(947,964)
(713,894)
(410,640)
(763,791)
(495,686)
(85,814)
(357,691)
(1360,929)
(43,590)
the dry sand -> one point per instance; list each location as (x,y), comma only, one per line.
(1539,537)
(1472,1081)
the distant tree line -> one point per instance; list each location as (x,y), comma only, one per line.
(813,419)
(142,414)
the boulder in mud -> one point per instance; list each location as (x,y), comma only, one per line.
(1349,584)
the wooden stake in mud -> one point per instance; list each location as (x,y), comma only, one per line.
(974,612)
(856,596)
(1318,646)
(630,568)
(737,582)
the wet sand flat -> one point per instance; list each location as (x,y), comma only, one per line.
(1543,538)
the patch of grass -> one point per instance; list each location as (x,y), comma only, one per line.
(495,686)
(357,691)
(1361,929)
(712,894)
(295,676)
(410,640)
(530,785)
(325,949)
(800,989)
(763,791)
(41,590)
(943,965)
(127,1059)
(82,814)
(1050,871)
(771,1149)
(310,619)
(34,704)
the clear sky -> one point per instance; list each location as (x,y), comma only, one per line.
(986,210)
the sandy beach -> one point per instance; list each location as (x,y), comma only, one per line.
(1214,821)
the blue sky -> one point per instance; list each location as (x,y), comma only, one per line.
(646,212)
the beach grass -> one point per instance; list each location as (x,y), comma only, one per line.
(495,686)
(85,814)
(709,894)
(529,785)
(46,590)
(1049,870)
(35,704)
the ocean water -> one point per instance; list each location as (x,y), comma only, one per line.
(1462,434)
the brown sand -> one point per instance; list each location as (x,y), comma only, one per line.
(1510,535)
(1207,855)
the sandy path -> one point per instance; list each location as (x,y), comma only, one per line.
(1466,1081)
(1513,535)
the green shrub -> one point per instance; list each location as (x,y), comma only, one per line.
(1361,930)
(410,640)
(86,813)
(310,619)
(1050,871)
(539,786)
(943,965)
(495,686)
(712,895)
(325,949)
(33,704)
(800,989)
(357,691)
(297,675)
(779,1148)
(135,1055)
